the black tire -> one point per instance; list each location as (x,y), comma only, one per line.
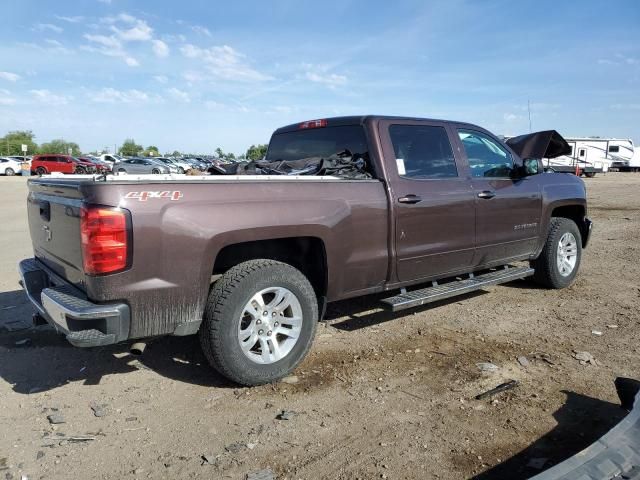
(547,272)
(41,171)
(9,172)
(222,316)
(155,171)
(122,170)
(80,171)
(590,174)
(180,170)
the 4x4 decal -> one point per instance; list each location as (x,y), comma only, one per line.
(144,196)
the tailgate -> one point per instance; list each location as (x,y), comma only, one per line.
(54,224)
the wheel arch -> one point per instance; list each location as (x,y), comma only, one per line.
(577,214)
(306,253)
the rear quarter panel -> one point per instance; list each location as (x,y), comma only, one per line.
(175,242)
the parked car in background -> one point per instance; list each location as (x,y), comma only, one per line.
(99,165)
(180,164)
(173,168)
(195,164)
(9,166)
(140,165)
(111,158)
(45,164)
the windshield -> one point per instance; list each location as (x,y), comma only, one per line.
(317,142)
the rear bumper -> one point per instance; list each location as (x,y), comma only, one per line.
(67,309)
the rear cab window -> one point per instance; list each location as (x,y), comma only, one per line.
(422,152)
(322,142)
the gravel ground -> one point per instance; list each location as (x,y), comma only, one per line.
(380,396)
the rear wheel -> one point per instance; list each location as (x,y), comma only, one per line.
(558,264)
(590,174)
(122,170)
(155,171)
(41,171)
(9,172)
(259,322)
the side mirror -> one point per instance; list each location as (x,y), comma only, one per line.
(532,166)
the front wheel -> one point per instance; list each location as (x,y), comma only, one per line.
(155,171)
(41,171)
(259,322)
(9,172)
(180,170)
(558,264)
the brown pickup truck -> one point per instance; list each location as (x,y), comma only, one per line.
(249,261)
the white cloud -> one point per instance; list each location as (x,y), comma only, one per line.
(161,78)
(49,98)
(179,95)
(160,48)
(224,62)
(331,79)
(111,95)
(511,117)
(40,27)
(76,19)
(108,2)
(321,74)
(140,32)
(110,42)
(109,46)
(191,76)
(11,77)
(201,30)
(6,98)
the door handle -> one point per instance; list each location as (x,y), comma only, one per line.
(486,194)
(410,199)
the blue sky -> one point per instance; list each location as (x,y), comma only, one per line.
(194,75)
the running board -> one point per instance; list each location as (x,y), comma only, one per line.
(454,288)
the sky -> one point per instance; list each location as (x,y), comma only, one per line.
(196,75)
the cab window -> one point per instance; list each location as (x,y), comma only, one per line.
(487,158)
(422,152)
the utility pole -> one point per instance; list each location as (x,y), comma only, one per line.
(529,109)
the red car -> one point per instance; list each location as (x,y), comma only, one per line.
(44,164)
(99,165)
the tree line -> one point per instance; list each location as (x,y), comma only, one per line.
(11,144)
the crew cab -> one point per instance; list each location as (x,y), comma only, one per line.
(56,163)
(422,209)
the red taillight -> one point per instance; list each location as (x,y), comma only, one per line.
(313,124)
(104,238)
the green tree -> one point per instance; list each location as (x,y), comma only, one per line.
(224,156)
(176,153)
(152,151)
(130,148)
(257,152)
(59,145)
(11,143)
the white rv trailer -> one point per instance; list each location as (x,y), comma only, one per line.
(591,155)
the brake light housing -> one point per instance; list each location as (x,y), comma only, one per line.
(105,239)
(313,124)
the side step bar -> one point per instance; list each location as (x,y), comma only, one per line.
(454,288)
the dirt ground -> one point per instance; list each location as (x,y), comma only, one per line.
(380,396)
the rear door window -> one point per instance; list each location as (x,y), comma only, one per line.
(423,151)
(487,158)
